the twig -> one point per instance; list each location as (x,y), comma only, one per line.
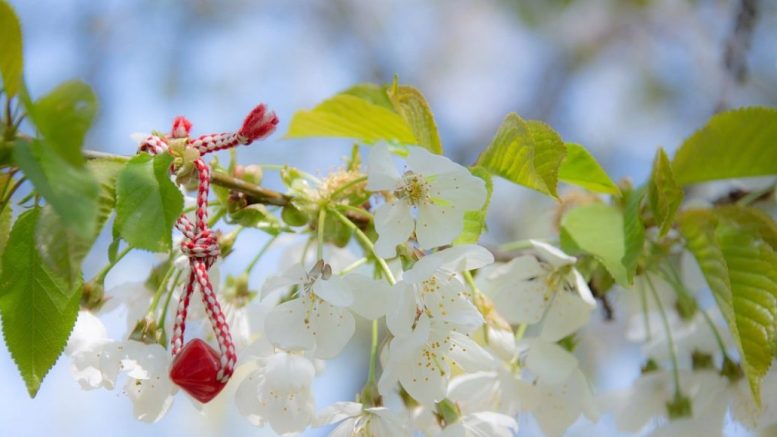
(254,193)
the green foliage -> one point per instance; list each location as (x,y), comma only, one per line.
(528,153)
(349,116)
(38,308)
(11,60)
(633,230)
(664,194)
(475,221)
(71,191)
(741,269)
(413,107)
(63,117)
(147,203)
(580,168)
(375,94)
(62,249)
(733,144)
(597,229)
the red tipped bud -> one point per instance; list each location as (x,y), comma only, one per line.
(181,127)
(258,124)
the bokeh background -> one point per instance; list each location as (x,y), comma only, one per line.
(621,77)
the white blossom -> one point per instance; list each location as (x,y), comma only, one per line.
(97,361)
(317,319)
(422,361)
(429,198)
(433,287)
(279,392)
(482,424)
(356,420)
(546,288)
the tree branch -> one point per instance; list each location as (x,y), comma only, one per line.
(254,193)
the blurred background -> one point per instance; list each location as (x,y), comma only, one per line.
(621,77)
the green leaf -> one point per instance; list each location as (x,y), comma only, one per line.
(597,229)
(63,117)
(348,116)
(664,194)
(62,249)
(11,60)
(38,308)
(71,191)
(741,271)
(413,107)
(580,168)
(375,94)
(733,144)
(753,220)
(528,153)
(147,203)
(5,229)
(475,221)
(633,231)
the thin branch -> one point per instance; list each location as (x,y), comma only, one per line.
(254,193)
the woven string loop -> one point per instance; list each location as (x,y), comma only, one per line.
(200,244)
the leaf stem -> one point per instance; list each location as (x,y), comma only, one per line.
(365,240)
(163,316)
(161,288)
(373,353)
(259,255)
(320,233)
(670,340)
(100,276)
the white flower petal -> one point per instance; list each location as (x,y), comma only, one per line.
(370,296)
(332,328)
(438,225)
(452,259)
(382,175)
(467,354)
(402,311)
(334,291)
(294,275)
(556,407)
(394,223)
(337,412)
(551,363)
(460,189)
(567,313)
(552,254)
(427,163)
(151,394)
(285,325)
(247,397)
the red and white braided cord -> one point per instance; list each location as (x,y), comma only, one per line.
(199,243)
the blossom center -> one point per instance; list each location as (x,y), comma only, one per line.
(414,188)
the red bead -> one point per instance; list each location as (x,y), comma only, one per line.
(194,370)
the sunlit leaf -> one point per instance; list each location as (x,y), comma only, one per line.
(11,60)
(597,229)
(664,194)
(413,107)
(733,144)
(741,270)
(528,153)
(580,168)
(348,116)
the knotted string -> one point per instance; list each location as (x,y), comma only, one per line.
(199,243)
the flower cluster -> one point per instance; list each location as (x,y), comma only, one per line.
(469,343)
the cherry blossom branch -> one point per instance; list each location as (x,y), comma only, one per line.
(255,193)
